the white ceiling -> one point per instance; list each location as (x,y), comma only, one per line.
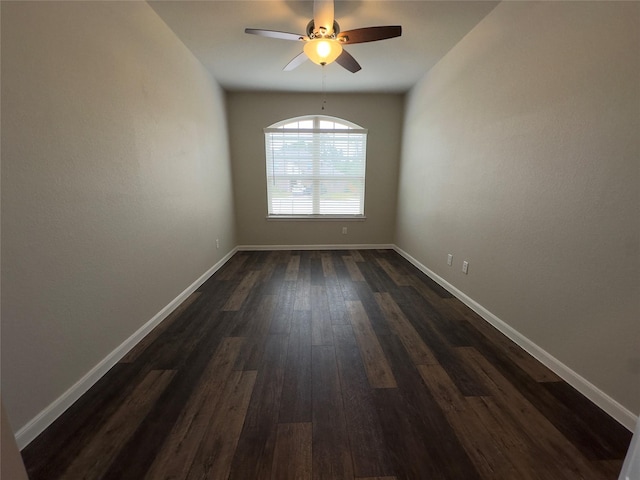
(214,31)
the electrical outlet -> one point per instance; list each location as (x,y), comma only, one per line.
(217,243)
(344,230)
(449,259)
(465,267)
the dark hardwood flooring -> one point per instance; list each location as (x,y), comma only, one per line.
(328,365)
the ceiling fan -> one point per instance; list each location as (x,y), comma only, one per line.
(323,40)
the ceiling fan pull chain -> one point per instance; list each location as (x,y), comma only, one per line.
(324,89)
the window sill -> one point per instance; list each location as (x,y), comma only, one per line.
(317,218)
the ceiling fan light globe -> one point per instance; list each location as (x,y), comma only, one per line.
(322,51)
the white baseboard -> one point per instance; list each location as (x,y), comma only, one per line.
(348,246)
(621,414)
(46,417)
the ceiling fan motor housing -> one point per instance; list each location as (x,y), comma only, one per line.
(312,32)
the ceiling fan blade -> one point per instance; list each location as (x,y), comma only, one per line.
(347,61)
(323,16)
(274,34)
(296,62)
(370,34)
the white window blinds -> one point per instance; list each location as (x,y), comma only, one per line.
(315,167)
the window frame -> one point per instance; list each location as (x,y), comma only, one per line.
(344,126)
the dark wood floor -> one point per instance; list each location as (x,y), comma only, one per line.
(328,365)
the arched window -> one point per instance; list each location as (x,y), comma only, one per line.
(315,167)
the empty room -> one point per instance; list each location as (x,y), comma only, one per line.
(282,239)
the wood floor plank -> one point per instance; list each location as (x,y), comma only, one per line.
(406,446)
(137,454)
(347,285)
(303,284)
(180,340)
(229,269)
(609,442)
(536,370)
(371,277)
(327,265)
(77,426)
(178,452)
(429,288)
(283,313)
(278,256)
(337,307)
(395,287)
(215,452)
(343,335)
(152,336)
(265,404)
(244,318)
(255,262)
(568,460)
(322,334)
(317,272)
(295,403)
(566,414)
(330,443)
(398,278)
(422,319)
(274,283)
(419,352)
(424,420)
(366,296)
(376,277)
(240,294)
(378,369)
(608,468)
(352,268)
(485,441)
(181,337)
(254,318)
(257,328)
(529,452)
(368,446)
(267,270)
(375,478)
(521,456)
(291,275)
(96,457)
(442,319)
(356,255)
(254,454)
(292,456)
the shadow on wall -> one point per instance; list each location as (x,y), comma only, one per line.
(11,466)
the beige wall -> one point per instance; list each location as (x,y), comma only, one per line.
(520,155)
(115,185)
(11,466)
(249,113)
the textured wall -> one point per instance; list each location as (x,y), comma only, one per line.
(115,184)
(11,466)
(250,113)
(520,155)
